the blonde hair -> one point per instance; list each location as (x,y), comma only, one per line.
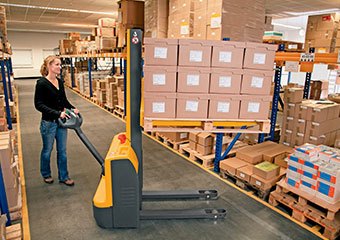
(47,61)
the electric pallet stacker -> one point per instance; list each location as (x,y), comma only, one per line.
(117,202)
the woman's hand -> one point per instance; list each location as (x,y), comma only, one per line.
(76,111)
(64,115)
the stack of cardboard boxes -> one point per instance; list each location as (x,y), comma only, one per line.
(215,20)
(176,137)
(203,143)
(105,34)
(309,121)
(259,165)
(130,15)
(9,169)
(113,90)
(315,170)
(68,45)
(82,80)
(200,79)
(156,18)
(322,33)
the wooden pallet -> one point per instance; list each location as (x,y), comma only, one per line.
(206,161)
(174,145)
(119,111)
(308,209)
(13,232)
(245,185)
(206,125)
(109,108)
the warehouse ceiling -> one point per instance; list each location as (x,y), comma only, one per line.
(75,15)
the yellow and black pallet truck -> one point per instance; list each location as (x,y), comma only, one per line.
(117,202)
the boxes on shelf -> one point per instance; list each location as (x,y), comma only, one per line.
(255,107)
(293,95)
(259,56)
(176,136)
(107,22)
(224,106)
(131,13)
(73,36)
(106,43)
(105,32)
(202,143)
(181,19)
(195,53)
(227,54)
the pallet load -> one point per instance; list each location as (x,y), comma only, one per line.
(156,18)
(256,166)
(311,188)
(113,97)
(322,33)
(315,122)
(105,34)
(198,79)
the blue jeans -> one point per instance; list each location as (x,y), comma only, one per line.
(50,131)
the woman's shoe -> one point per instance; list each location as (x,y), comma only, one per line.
(68,182)
(48,180)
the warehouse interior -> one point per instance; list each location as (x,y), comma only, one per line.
(183,98)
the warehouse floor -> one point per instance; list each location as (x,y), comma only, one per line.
(60,212)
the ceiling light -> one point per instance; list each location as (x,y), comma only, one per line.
(332,10)
(56,24)
(286,26)
(57,9)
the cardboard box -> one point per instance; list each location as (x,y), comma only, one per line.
(196,53)
(193,80)
(107,22)
(289,110)
(131,13)
(161,52)
(193,136)
(293,95)
(320,112)
(266,170)
(245,172)
(288,123)
(281,160)
(231,165)
(199,27)
(227,54)
(205,139)
(176,136)
(254,154)
(317,129)
(300,125)
(158,105)
(299,139)
(192,106)
(204,150)
(226,81)
(192,145)
(160,78)
(255,107)
(106,43)
(224,106)
(105,32)
(265,184)
(270,154)
(259,56)
(256,82)
(302,109)
(156,18)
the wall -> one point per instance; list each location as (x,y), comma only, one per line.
(29,50)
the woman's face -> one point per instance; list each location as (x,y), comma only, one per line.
(54,67)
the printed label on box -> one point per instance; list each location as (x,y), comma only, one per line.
(191,106)
(160,52)
(258,183)
(254,107)
(158,107)
(196,56)
(224,81)
(185,30)
(193,80)
(257,82)
(259,58)
(242,175)
(225,57)
(183,135)
(223,107)
(158,79)
(215,21)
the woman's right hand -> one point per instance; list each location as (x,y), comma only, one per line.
(64,115)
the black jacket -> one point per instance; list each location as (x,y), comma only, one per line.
(49,100)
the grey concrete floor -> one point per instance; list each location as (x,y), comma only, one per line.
(60,212)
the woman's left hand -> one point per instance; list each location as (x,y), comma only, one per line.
(76,111)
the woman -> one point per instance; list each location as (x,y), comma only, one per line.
(50,99)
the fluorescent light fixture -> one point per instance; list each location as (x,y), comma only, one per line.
(55,24)
(286,26)
(331,10)
(78,25)
(57,9)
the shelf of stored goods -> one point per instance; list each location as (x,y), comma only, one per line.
(6,65)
